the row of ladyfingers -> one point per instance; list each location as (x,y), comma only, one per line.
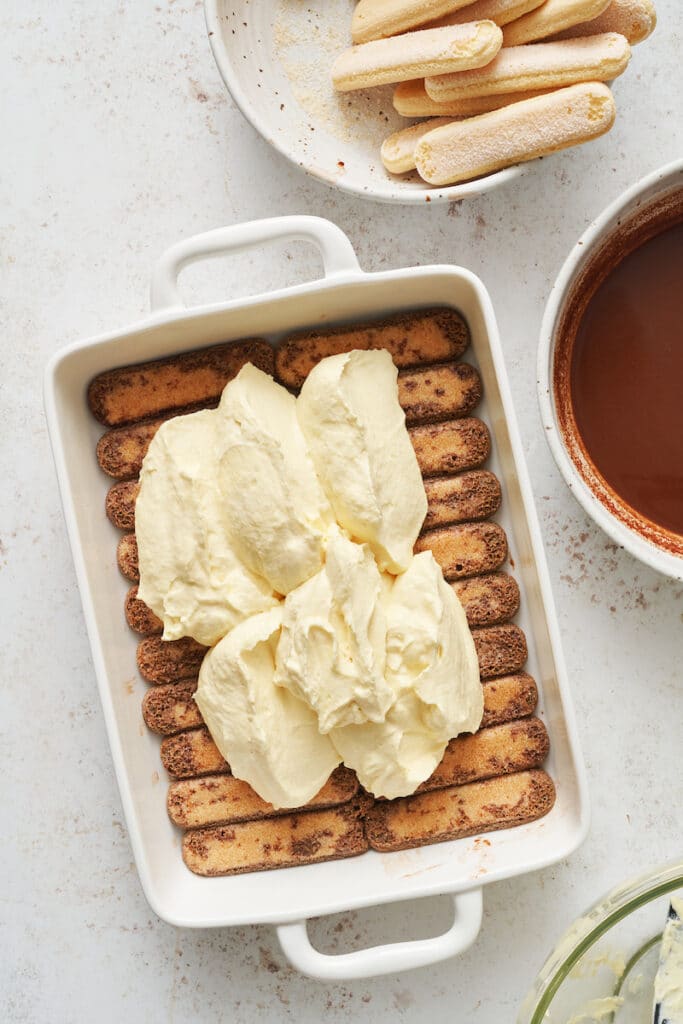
(194,379)
(496,750)
(488,781)
(215,797)
(452,499)
(441,447)
(488,599)
(168,708)
(291,840)
(205,798)
(427,394)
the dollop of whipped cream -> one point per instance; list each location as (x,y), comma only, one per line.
(430,649)
(230,511)
(332,649)
(432,668)
(280,532)
(269,738)
(355,428)
(190,575)
(276,512)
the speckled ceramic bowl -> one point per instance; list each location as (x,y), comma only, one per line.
(275,58)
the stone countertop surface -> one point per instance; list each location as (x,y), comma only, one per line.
(118,140)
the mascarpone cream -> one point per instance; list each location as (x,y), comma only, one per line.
(190,575)
(355,428)
(268,737)
(432,667)
(276,512)
(332,649)
(430,649)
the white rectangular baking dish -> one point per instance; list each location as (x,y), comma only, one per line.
(287,897)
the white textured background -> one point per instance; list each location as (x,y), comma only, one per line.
(117,139)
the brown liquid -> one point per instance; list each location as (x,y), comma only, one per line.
(626,379)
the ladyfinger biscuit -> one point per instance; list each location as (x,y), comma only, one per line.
(488,599)
(139,617)
(508,698)
(414,338)
(465,549)
(499,750)
(438,392)
(460,811)
(501,650)
(551,17)
(535,66)
(377,19)
(192,753)
(435,51)
(286,841)
(120,504)
(634,19)
(120,452)
(451,447)
(457,499)
(398,150)
(139,392)
(522,131)
(500,11)
(127,558)
(223,799)
(168,661)
(412,100)
(169,708)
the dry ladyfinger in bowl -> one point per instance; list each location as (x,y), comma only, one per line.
(521,131)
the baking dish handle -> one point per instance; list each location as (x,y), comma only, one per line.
(391,958)
(337,252)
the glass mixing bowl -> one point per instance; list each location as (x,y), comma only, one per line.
(602,969)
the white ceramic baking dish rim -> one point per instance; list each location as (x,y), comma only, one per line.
(340,268)
(644,550)
(390,192)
